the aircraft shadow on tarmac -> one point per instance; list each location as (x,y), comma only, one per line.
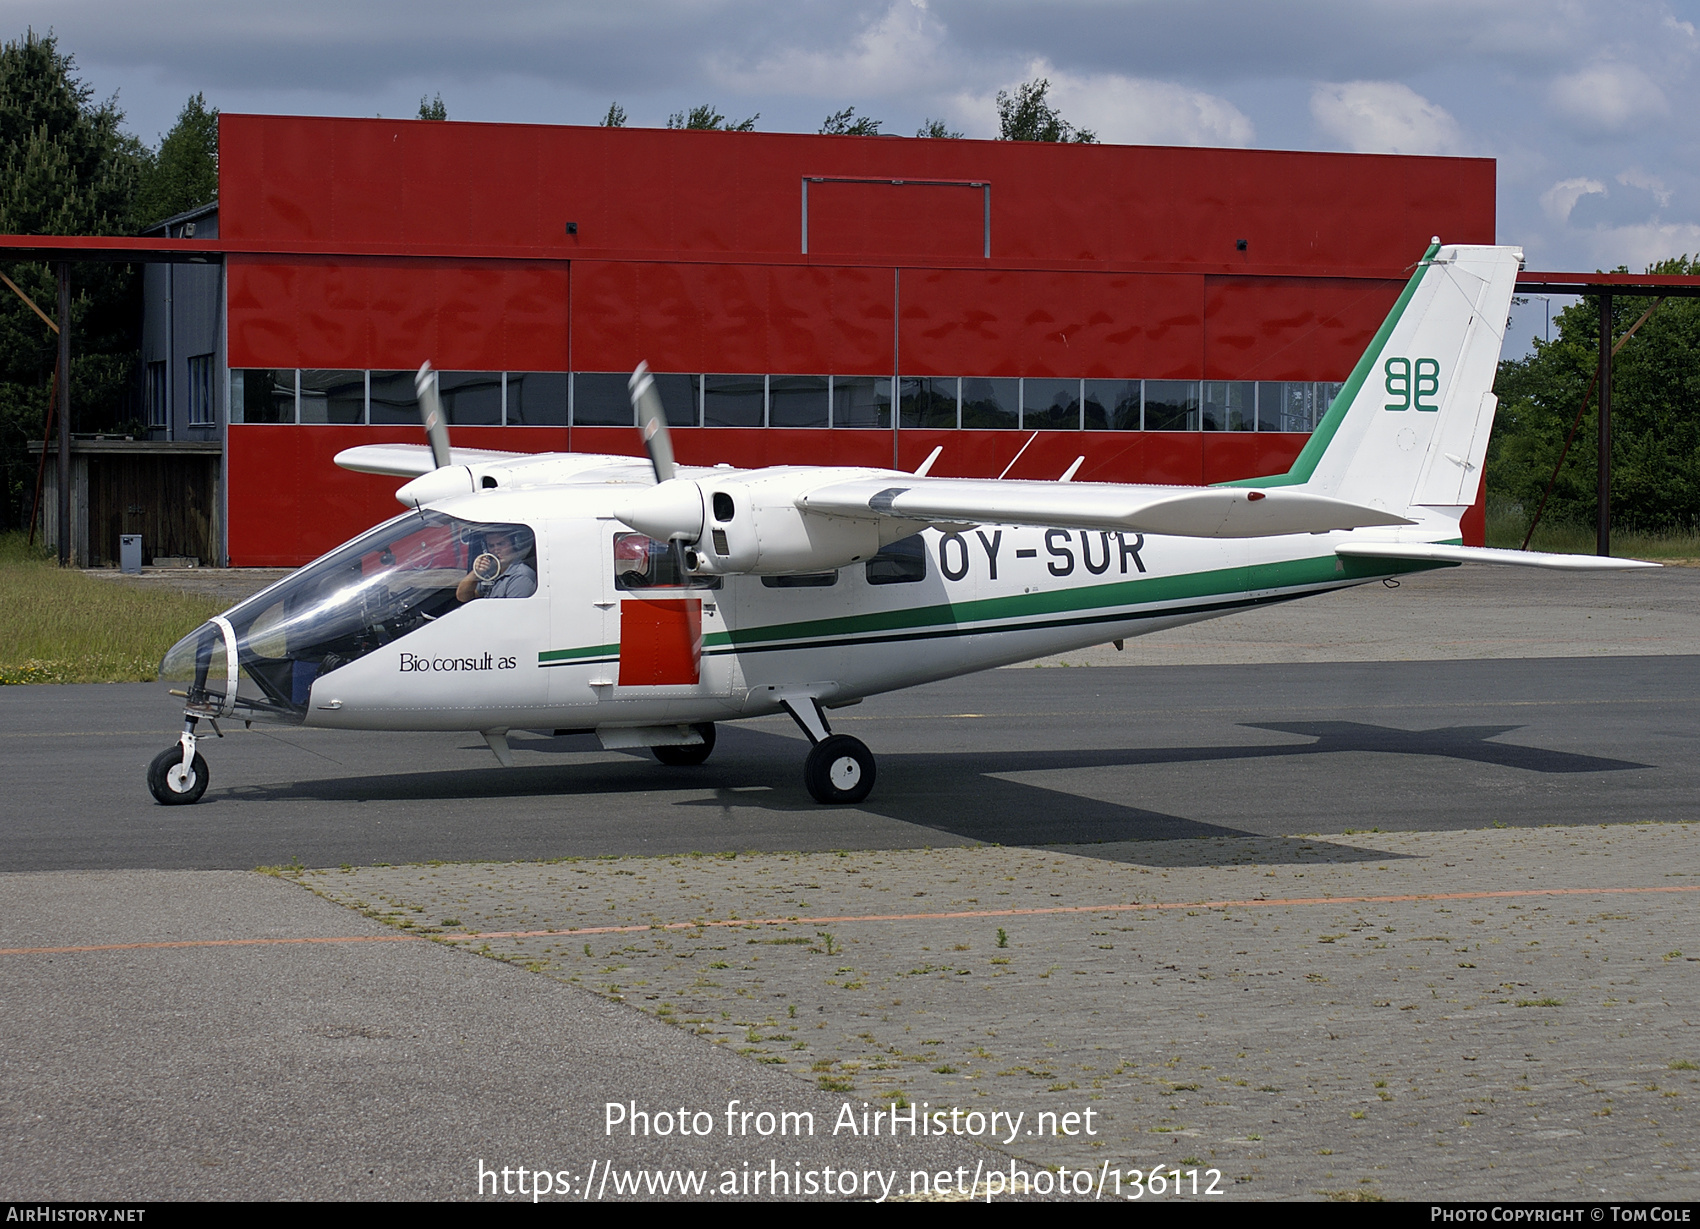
(967,794)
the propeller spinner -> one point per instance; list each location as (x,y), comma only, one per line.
(447,478)
(671,510)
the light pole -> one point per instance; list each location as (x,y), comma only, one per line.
(1547,299)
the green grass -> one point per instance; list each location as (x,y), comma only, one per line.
(1507,523)
(59,626)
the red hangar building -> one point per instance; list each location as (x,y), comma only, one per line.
(1171,315)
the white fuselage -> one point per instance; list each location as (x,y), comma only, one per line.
(989,596)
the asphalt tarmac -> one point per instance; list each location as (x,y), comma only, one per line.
(1028,757)
(177,1026)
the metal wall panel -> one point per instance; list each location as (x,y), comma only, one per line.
(375,183)
(260,315)
(462,315)
(731,318)
(1234,454)
(1052,323)
(1291,328)
(870,219)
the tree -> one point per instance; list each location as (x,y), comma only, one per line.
(616,117)
(183,173)
(65,168)
(1028,117)
(937,130)
(432,108)
(846,123)
(1655,455)
(706,117)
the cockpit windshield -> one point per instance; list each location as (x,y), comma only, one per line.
(260,660)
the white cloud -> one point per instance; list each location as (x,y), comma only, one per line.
(1558,200)
(886,58)
(1643,244)
(1608,98)
(1682,30)
(1384,117)
(1635,177)
(1121,110)
(1136,111)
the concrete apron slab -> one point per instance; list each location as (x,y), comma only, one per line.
(1488,1014)
(233,1037)
(1453,614)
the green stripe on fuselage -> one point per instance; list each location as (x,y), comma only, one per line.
(561,656)
(1220,588)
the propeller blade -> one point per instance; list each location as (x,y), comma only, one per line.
(431,414)
(652,421)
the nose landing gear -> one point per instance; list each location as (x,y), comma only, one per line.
(178,775)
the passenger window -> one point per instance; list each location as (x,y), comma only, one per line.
(643,563)
(901,563)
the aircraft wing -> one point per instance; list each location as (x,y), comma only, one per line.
(1195,512)
(412,460)
(1441,552)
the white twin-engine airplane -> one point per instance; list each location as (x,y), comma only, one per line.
(646,602)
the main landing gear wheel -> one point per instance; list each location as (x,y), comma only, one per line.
(839,769)
(688,757)
(170,785)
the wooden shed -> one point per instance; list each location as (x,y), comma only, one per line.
(165,490)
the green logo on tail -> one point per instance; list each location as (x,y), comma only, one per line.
(1410,387)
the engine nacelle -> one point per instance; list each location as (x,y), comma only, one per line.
(735,524)
(757,527)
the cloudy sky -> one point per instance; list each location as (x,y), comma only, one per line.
(1582,104)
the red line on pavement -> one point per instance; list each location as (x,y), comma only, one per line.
(1260,902)
(1135,907)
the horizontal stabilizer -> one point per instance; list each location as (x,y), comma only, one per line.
(1193,512)
(1438,552)
(412,460)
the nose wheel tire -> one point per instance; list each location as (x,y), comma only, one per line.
(839,769)
(170,785)
(688,757)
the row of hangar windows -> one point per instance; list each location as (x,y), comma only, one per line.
(600,399)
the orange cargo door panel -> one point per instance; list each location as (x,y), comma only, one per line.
(660,642)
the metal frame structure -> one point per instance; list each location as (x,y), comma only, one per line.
(1605,286)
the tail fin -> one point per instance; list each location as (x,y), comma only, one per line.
(1410,427)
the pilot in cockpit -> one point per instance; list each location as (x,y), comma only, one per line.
(503,570)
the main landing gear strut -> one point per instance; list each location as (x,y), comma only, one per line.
(840,769)
(179,775)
